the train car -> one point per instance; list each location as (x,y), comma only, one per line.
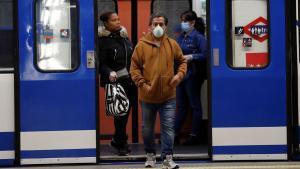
(52,107)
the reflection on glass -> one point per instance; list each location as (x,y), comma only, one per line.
(172,10)
(105,5)
(55,34)
(6,35)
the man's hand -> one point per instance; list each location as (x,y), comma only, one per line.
(146,88)
(188,57)
(175,81)
(113,76)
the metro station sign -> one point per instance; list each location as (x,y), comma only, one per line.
(257,29)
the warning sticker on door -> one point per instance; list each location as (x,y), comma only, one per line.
(257,29)
(256,59)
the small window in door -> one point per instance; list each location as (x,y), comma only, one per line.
(249,34)
(172,9)
(56,29)
(106,5)
(6,35)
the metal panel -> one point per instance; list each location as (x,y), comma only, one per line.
(57,104)
(7,115)
(248,99)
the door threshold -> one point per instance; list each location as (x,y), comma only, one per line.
(200,156)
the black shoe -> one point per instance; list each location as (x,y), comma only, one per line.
(192,140)
(124,150)
(114,144)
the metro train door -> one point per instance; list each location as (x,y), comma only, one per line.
(248,80)
(57,82)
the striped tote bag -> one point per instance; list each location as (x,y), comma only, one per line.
(116,101)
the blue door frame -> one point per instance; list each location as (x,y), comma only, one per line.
(57,109)
(248,106)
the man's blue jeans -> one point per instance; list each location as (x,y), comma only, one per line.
(167,119)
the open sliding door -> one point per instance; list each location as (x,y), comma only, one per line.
(57,82)
(248,80)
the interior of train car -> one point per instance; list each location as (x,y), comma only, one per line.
(52,108)
(172,9)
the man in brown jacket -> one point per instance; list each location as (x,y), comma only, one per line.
(152,70)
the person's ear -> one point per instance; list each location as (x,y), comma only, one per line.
(105,24)
(165,28)
(193,23)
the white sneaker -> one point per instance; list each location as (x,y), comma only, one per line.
(150,160)
(168,163)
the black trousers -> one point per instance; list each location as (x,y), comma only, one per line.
(120,122)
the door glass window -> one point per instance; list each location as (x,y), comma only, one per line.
(203,9)
(57,35)
(249,34)
(172,10)
(199,6)
(106,5)
(6,35)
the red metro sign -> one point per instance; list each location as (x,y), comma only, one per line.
(257,29)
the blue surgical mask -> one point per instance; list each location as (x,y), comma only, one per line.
(185,26)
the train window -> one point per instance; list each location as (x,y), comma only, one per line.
(249,30)
(6,35)
(57,35)
(172,9)
(199,6)
(106,5)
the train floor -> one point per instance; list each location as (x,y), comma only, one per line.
(181,152)
(183,165)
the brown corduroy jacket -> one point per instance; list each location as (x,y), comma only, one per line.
(153,65)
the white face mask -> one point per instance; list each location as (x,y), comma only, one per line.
(158,31)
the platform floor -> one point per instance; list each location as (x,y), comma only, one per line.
(183,165)
(188,157)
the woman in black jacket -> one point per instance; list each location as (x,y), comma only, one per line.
(115,52)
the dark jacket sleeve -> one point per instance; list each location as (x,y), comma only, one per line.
(202,48)
(180,61)
(103,55)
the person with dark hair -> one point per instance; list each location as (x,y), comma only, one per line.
(115,51)
(200,25)
(152,70)
(188,93)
